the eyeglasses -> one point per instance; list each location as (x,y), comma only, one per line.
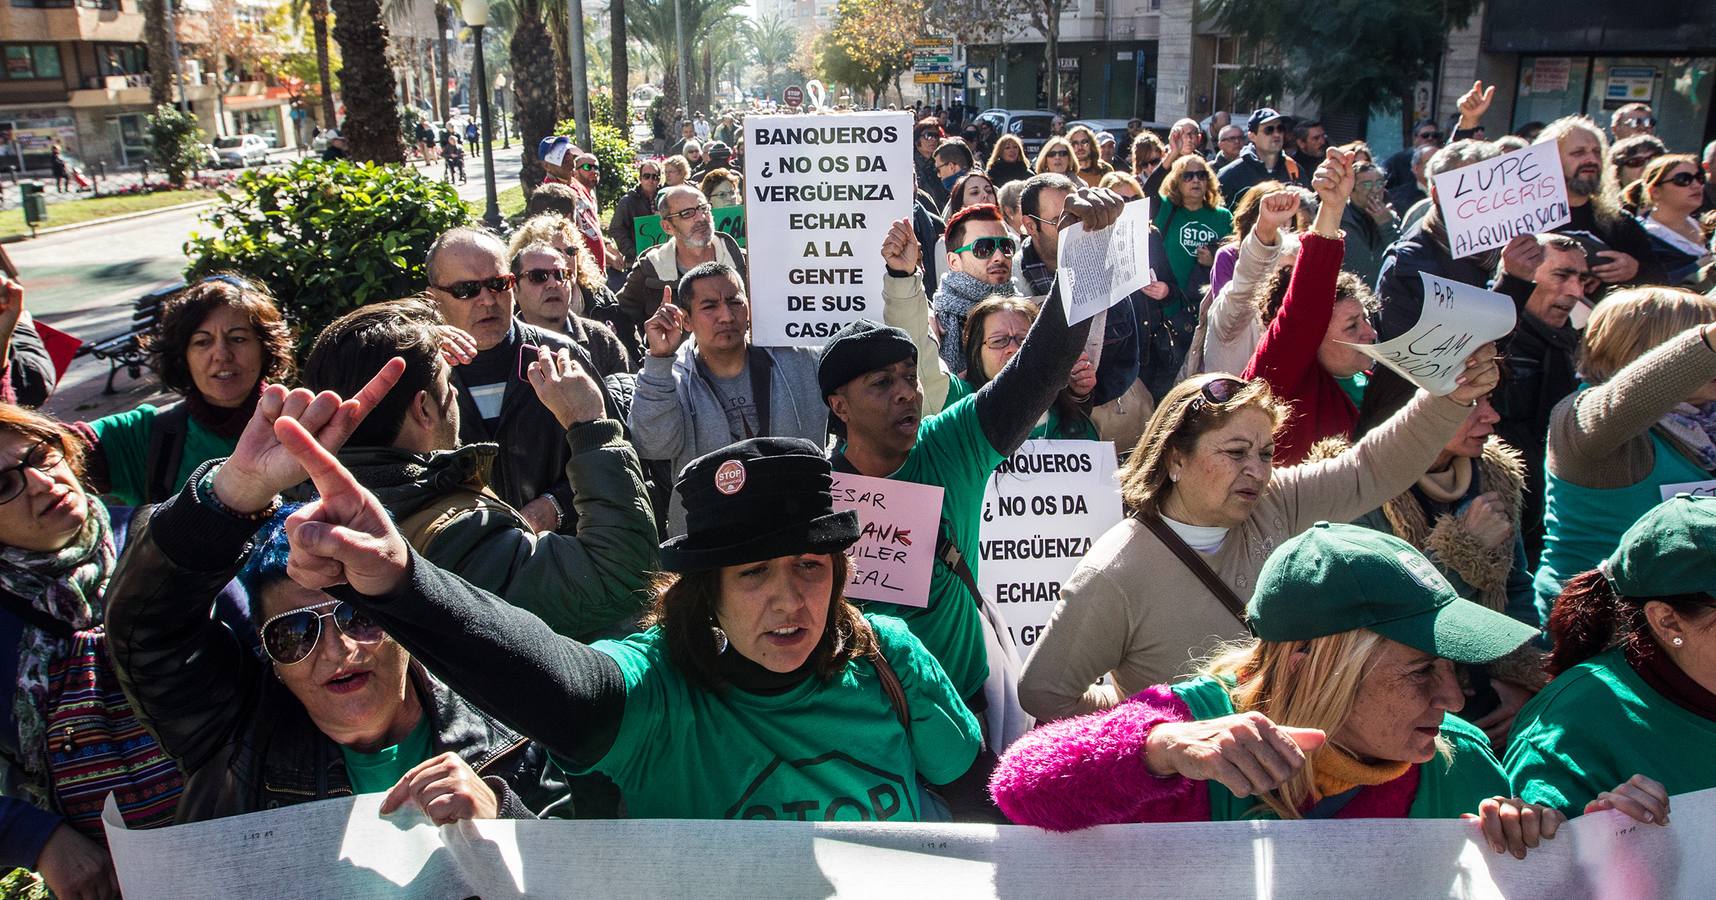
(1429,135)
(1196,175)
(1231,139)
(685,215)
(42,457)
(1640,122)
(467,290)
(1054,153)
(1055,224)
(1003,341)
(1215,392)
(541,276)
(289,638)
(985,247)
(1685,179)
(649,176)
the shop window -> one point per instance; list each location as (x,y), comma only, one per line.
(25,61)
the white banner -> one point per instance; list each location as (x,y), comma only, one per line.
(1455,321)
(1489,203)
(1100,268)
(1043,508)
(821,193)
(343,848)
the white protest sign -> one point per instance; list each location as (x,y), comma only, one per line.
(1100,268)
(1042,509)
(1695,488)
(344,848)
(896,547)
(1457,319)
(822,191)
(1489,203)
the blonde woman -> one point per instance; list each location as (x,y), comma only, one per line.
(1056,157)
(675,170)
(1342,706)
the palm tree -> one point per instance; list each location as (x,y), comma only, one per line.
(317,12)
(653,20)
(534,85)
(773,43)
(372,98)
(160,53)
(618,65)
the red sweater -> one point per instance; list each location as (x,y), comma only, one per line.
(1286,356)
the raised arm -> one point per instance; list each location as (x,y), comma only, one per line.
(1628,404)
(1287,351)
(1235,306)
(906,306)
(656,418)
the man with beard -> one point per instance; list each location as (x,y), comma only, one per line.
(1312,139)
(1593,199)
(696,395)
(691,241)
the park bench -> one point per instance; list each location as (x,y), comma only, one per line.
(125,350)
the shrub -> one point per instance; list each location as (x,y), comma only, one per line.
(327,237)
(615,157)
(175,142)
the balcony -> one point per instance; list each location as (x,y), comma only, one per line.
(133,90)
(70,24)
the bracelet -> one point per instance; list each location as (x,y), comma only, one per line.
(202,489)
(559,513)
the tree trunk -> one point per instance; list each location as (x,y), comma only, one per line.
(618,64)
(443,24)
(372,97)
(324,70)
(1051,47)
(160,53)
(562,71)
(535,93)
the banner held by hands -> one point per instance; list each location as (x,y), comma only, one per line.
(1457,320)
(1488,203)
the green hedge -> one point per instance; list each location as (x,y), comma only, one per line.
(615,156)
(327,237)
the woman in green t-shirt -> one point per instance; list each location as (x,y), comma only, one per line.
(216,343)
(994,331)
(1192,221)
(1342,706)
(757,692)
(1633,700)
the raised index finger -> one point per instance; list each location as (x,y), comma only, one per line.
(377,388)
(331,478)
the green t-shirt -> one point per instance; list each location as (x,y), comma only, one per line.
(952,453)
(1447,786)
(378,772)
(124,441)
(822,751)
(1354,387)
(1050,427)
(1184,231)
(1598,724)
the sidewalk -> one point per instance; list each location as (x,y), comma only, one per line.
(112,183)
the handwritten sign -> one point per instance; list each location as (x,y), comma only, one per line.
(1489,203)
(896,545)
(729,219)
(1457,319)
(1695,488)
(822,191)
(1100,268)
(1043,508)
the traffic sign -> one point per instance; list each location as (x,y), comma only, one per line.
(793,95)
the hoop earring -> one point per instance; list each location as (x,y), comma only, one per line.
(720,639)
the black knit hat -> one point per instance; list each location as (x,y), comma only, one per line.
(756,500)
(860,347)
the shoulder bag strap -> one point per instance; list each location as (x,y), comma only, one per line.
(948,552)
(167,434)
(1196,564)
(762,368)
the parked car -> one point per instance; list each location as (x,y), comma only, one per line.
(1032,126)
(240,150)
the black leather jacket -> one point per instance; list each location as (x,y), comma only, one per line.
(242,739)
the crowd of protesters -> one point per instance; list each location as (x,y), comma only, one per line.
(555,538)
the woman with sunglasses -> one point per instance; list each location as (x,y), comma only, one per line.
(1087,158)
(1007,161)
(334,706)
(1628,157)
(215,344)
(1666,199)
(994,332)
(1056,156)
(1192,221)
(926,136)
(757,692)
(1205,504)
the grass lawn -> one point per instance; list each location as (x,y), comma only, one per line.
(511,203)
(73,211)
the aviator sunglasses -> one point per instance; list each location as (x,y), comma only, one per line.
(290,637)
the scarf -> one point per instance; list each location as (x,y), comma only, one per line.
(954,298)
(1693,428)
(1449,485)
(220,421)
(1338,772)
(67,585)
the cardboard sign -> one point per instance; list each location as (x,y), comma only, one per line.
(821,194)
(1457,319)
(647,231)
(1489,203)
(1695,488)
(1100,268)
(895,552)
(1043,508)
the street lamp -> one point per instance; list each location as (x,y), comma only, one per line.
(476,14)
(500,101)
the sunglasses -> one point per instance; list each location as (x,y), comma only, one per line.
(1215,393)
(1634,162)
(985,247)
(541,276)
(1685,179)
(292,636)
(1003,341)
(1430,135)
(650,176)
(1053,153)
(1196,175)
(685,215)
(42,457)
(1269,129)
(467,290)
(587,167)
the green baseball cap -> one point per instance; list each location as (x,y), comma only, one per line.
(1335,578)
(1669,550)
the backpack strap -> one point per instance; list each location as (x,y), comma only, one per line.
(948,553)
(891,686)
(1196,564)
(167,433)
(422,527)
